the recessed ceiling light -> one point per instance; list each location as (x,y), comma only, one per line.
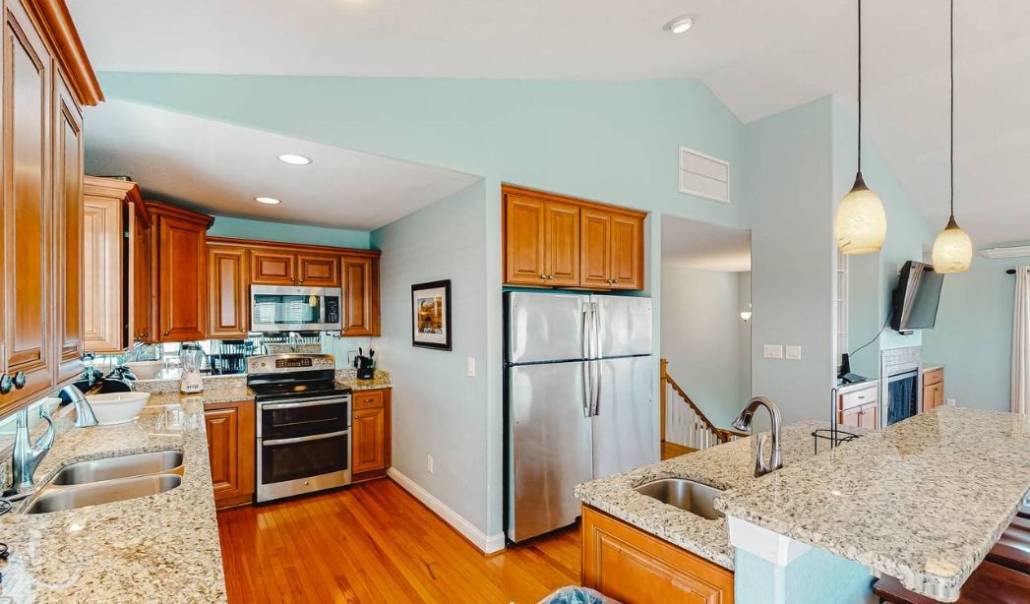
(680,24)
(294,159)
(272,201)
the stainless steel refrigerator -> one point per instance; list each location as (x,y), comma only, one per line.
(578,400)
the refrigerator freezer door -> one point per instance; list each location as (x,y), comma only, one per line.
(549,447)
(624,436)
(545,327)
(623,325)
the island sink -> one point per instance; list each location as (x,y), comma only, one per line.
(685,494)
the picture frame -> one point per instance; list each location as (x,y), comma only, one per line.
(431,315)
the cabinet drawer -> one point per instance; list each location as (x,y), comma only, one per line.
(933,377)
(368,399)
(858,398)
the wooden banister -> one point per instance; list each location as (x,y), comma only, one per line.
(721,435)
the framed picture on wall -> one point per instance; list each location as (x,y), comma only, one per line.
(431,315)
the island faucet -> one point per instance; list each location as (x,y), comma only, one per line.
(743,422)
(84,416)
(26,455)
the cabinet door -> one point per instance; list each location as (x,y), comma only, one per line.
(627,252)
(596,255)
(359,312)
(228,299)
(318,271)
(182,278)
(868,417)
(851,417)
(140,278)
(102,288)
(631,566)
(230,441)
(524,248)
(369,439)
(561,242)
(68,209)
(270,267)
(27,209)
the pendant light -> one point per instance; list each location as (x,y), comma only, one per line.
(952,250)
(861,224)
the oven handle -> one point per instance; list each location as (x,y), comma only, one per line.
(302,439)
(315,403)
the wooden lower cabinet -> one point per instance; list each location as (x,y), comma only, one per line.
(370,434)
(230,443)
(634,567)
(933,389)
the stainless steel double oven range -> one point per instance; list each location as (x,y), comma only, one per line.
(303,425)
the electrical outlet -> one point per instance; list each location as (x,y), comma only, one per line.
(794,353)
(772,351)
(950,402)
(470,366)
(429,463)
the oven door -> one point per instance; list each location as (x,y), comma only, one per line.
(290,419)
(305,464)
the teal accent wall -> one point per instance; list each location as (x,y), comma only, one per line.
(243,228)
(817,577)
(973,336)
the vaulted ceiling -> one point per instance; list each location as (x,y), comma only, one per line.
(758,57)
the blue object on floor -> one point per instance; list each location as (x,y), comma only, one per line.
(575,595)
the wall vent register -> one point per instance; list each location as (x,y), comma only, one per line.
(704,176)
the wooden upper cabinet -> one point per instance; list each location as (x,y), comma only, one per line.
(140,274)
(596,253)
(273,267)
(68,233)
(360,296)
(561,242)
(627,252)
(316,270)
(525,236)
(28,359)
(181,267)
(555,241)
(228,295)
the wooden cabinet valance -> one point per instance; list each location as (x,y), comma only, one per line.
(556,241)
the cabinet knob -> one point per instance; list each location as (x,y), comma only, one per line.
(19,380)
(543,276)
(614,281)
(549,277)
(168,332)
(6,384)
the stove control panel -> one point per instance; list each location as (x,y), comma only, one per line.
(289,362)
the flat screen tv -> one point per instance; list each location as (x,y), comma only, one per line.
(916,298)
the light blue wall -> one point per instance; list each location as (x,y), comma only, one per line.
(973,336)
(817,577)
(702,331)
(227,226)
(790,188)
(437,409)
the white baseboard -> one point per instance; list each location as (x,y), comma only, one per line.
(488,544)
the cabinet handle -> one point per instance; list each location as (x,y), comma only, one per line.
(6,384)
(19,380)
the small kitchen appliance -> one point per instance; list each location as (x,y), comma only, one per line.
(190,357)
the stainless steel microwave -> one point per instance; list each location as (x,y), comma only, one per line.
(289,308)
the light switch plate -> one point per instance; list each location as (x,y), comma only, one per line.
(470,366)
(794,353)
(772,351)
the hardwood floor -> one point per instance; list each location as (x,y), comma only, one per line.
(674,450)
(374,542)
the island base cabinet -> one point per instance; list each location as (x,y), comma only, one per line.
(230,443)
(627,564)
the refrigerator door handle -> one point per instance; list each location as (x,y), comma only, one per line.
(596,374)
(587,375)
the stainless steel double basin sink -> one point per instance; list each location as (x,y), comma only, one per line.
(687,495)
(108,480)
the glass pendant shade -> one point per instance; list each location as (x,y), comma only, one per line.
(952,250)
(861,224)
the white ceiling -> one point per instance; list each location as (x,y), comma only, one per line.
(699,245)
(758,57)
(220,168)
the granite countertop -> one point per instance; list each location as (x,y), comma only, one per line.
(727,466)
(922,500)
(349,378)
(161,548)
